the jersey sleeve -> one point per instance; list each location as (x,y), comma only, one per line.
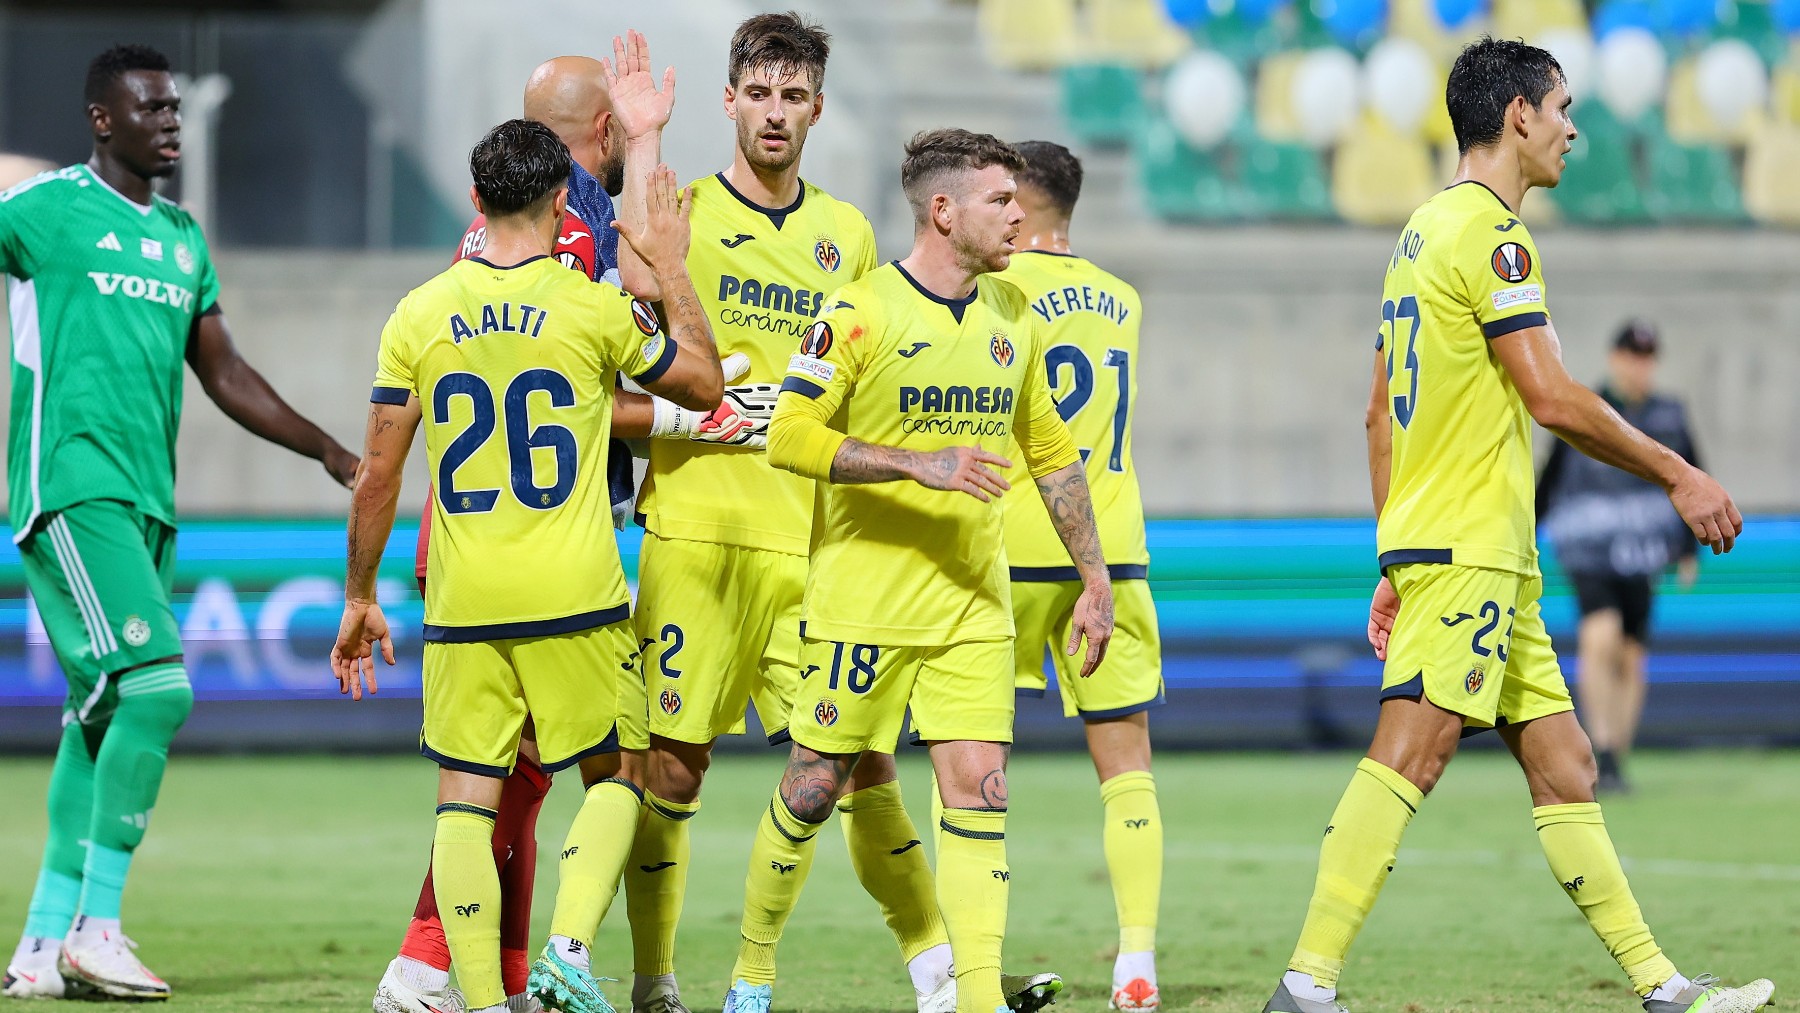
(1498,264)
(20,215)
(1041,433)
(207,291)
(631,337)
(866,260)
(820,376)
(394,378)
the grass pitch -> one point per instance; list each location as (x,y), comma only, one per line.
(284,883)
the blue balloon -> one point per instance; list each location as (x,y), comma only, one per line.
(1685,17)
(1787,15)
(1616,14)
(1353,23)
(1258,11)
(1186,13)
(1454,12)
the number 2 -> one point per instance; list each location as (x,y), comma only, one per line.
(1072,358)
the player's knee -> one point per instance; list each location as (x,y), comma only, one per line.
(678,769)
(161,707)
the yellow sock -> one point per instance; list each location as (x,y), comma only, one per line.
(1134,856)
(467,886)
(1581,855)
(972,889)
(656,882)
(937,812)
(780,858)
(593,858)
(889,859)
(1355,859)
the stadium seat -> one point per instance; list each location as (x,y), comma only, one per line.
(1754,22)
(1274,99)
(1180,182)
(1691,182)
(1600,179)
(1102,102)
(1028,34)
(1784,94)
(1379,176)
(1418,20)
(1529,19)
(1238,39)
(1135,32)
(1285,180)
(1771,186)
(1686,117)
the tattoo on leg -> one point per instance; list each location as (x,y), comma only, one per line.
(811,786)
(993,789)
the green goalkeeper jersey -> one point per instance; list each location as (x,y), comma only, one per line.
(103,294)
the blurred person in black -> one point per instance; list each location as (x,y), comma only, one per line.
(1614,535)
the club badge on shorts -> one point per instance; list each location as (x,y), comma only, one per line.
(670,701)
(136,631)
(1474,681)
(826,713)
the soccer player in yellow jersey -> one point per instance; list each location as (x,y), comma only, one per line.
(1089,320)
(526,613)
(1466,357)
(724,559)
(900,399)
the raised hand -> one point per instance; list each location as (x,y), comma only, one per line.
(663,241)
(641,109)
(963,469)
(352,657)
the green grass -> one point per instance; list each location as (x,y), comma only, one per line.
(284,883)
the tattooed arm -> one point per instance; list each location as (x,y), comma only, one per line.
(953,469)
(372,504)
(1065,495)
(693,380)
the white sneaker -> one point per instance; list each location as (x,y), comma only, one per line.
(524,1002)
(396,996)
(941,999)
(656,993)
(105,961)
(33,974)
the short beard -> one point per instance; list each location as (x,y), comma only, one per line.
(758,159)
(976,260)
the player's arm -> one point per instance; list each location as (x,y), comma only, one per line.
(242,393)
(802,441)
(1532,357)
(372,504)
(692,379)
(1378,428)
(642,111)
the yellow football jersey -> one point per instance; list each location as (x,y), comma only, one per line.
(513,369)
(895,563)
(762,275)
(1089,321)
(1460,482)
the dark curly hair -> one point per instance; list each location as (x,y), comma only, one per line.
(108,67)
(933,155)
(1053,171)
(1488,75)
(782,44)
(518,163)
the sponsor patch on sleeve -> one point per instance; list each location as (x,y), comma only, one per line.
(1520,294)
(652,350)
(816,368)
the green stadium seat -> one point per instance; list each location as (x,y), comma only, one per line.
(1600,179)
(1691,183)
(1285,180)
(1180,181)
(1102,102)
(1754,22)
(1239,40)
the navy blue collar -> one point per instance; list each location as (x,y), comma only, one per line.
(1484,186)
(775,215)
(955,306)
(497,267)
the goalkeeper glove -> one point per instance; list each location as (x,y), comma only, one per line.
(741,420)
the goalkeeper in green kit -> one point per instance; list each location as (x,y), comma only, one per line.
(110,289)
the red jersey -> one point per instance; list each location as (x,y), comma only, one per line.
(575,248)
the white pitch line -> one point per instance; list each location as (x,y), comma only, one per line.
(1755,871)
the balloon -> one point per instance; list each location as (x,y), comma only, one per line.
(1787,15)
(1732,81)
(1204,96)
(1452,13)
(1574,49)
(1684,17)
(1186,13)
(1616,14)
(1352,22)
(1399,78)
(1326,97)
(1633,71)
(1258,11)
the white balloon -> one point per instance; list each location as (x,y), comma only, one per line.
(1399,77)
(1204,96)
(1732,81)
(1326,95)
(1574,49)
(1633,71)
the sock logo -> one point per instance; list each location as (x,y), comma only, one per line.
(1002,875)
(1329,829)
(467,910)
(138,820)
(1135,824)
(569,853)
(1574,884)
(575,946)
(783,869)
(904,848)
(658,867)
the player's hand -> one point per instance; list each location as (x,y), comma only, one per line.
(352,657)
(740,420)
(1093,621)
(663,242)
(638,106)
(963,469)
(1687,571)
(1707,510)
(341,465)
(1382,610)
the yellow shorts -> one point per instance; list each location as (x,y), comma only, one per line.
(478,695)
(854,697)
(1128,681)
(720,629)
(1472,641)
